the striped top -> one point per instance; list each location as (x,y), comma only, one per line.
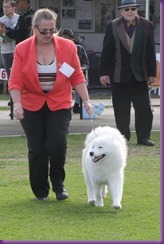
(47,76)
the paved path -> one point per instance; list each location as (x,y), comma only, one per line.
(10,127)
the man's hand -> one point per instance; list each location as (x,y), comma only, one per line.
(151,80)
(104,80)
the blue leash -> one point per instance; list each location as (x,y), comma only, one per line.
(92,124)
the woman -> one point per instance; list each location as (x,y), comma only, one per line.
(45,68)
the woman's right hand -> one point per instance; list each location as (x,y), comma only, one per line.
(88,106)
(18,111)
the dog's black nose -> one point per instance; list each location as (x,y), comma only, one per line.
(91,154)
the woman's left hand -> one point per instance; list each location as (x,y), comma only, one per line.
(88,106)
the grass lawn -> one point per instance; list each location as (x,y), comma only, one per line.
(74,219)
(4,97)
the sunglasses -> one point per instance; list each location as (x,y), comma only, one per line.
(127,9)
(46,32)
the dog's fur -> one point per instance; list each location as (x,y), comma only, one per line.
(103,162)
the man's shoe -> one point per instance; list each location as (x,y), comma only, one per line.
(146,142)
(62,195)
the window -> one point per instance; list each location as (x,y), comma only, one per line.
(85,15)
(78,15)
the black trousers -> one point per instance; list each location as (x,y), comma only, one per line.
(46,133)
(133,93)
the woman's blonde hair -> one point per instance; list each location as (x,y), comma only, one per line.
(43,14)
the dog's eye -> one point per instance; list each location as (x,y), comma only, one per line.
(100,147)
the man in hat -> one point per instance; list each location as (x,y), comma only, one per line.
(128,62)
(84,61)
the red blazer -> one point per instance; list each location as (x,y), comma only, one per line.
(24,75)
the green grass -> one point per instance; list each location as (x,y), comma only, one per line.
(4,97)
(74,219)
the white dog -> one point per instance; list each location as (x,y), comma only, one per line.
(103,161)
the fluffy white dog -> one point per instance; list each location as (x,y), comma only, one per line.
(103,162)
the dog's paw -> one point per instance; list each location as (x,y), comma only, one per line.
(99,204)
(92,202)
(117,206)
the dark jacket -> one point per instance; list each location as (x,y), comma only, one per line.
(84,61)
(23,28)
(116,59)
